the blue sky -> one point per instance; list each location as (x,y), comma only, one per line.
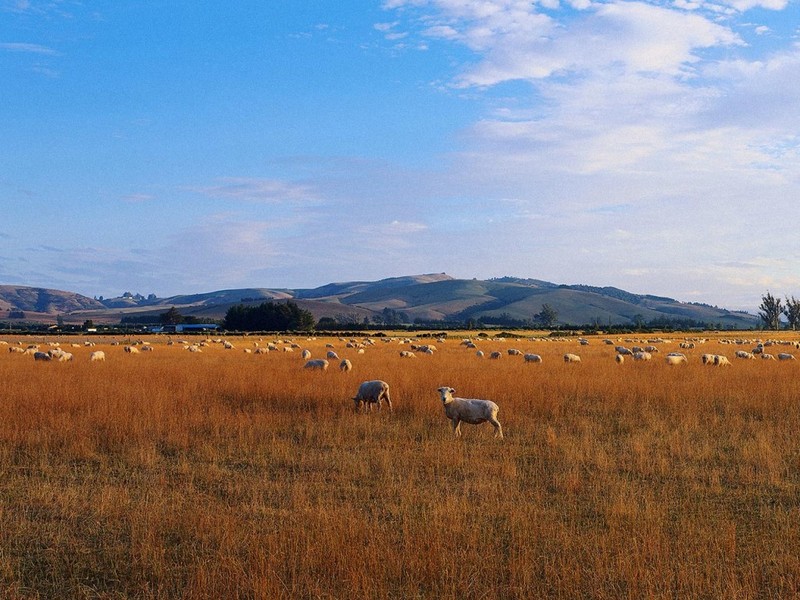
(191,146)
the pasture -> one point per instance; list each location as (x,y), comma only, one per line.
(226,474)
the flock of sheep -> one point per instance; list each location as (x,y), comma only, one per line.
(457,410)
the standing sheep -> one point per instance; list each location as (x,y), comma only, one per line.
(469,410)
(372,392)
(316,364)
(97,356)
(345,366)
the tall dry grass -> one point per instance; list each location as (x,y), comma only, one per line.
(233,475)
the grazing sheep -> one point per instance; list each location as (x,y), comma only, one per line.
(316,364)
(623,350)
(532,358)
(619,358)
(345,366)
(495,355)
(469,410)
(372,392)
(745,354)
(43,356)
(305,354)
(785,356)
(708,359)
(675,359)
(479,354)
(767,356)
(642,355)
(514,352)
(720,360)
(131,350)
(407,354)
(571,358)
(332,355)
(97,356)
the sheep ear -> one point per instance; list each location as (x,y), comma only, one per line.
(452,391)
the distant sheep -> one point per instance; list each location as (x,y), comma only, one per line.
(572,358)
(345,366)
(745,354)
(675,359)
(97,356)
(532,358)
(469,410)
(305,354)
(407,354)
(372,392)
(785,356)
(720,360)
(43,356)
(131,350)
(479,354)
(495,355)
(619,358)
(317,364)
(332,355)
(514,352)
(642,355)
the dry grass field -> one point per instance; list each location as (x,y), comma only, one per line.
(226,474)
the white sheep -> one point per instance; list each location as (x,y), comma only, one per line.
(619,358)
(721,361)
(332,355)
(469,410)
(43,356)
(514,352)
(131,350)
(495,355)
(407,354)
(372,392)
(745,354)
(305,354)
(642,355)
(97,356)
(675,359)
(785,356)
(571,358)
(345,366)
(479,354)
(316,364)
(532,358)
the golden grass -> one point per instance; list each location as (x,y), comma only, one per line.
(232,475)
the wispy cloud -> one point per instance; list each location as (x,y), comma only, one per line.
(26,48)
(259,190)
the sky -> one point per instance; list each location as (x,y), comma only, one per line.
(184,146)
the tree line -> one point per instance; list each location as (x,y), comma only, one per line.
(772,308)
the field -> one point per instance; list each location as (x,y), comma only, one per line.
(225,474)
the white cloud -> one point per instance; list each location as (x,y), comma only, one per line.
(27,48)
(260,190)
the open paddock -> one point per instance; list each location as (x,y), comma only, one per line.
(230,472)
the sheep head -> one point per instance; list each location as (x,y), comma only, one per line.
(446,394)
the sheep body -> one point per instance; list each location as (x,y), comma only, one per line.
(345,366)
(316,363)
(572,358)
(372,392)
(469,410)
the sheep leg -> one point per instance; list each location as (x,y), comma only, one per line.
(388,400)
(457,427)
(498,430)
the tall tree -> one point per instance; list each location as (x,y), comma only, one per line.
(770,311)
(546,317)
(792,312)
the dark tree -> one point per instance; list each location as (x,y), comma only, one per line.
(268,316)
(546,317)
(770,311)
(792,312)
(171,317)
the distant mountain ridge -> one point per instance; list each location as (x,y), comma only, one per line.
(427,297)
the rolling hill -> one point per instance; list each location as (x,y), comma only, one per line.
(429,297)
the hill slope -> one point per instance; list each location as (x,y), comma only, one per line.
(424,297)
